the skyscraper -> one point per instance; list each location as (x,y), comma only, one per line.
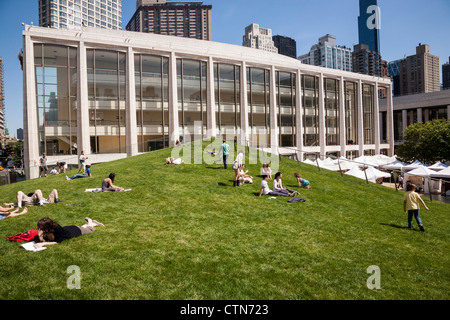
(188,19)
(328,54)
(366,61)
(446,75)
(285,45)
(258,38)
(420,73)
(369,24)
(67,14)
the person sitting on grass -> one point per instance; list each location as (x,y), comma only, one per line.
(278,185)
(84,175)
(266,190)
(266,170)
(50,232)
(11,214)
(302,183)
(243,176)
(35,198)
(411,202)
(107,184)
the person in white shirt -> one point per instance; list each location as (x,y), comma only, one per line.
(277,184)
(243,176)
(266,190)
(82,162)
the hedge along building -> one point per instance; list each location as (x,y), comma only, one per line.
(115,94)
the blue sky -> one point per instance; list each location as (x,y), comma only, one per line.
(404,24)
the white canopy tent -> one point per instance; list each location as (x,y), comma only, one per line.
(372,174)
(396,165)
(444,173)
(415,165)
(423,172)
(438,166)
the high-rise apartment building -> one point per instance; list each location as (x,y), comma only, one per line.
(420,73)
(446,75)
(366,61)
(285,45)
(259,38)
(369,24)
(2,104)
(68,14)
(328,54)
(188,19)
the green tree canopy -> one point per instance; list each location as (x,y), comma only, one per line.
(427,142)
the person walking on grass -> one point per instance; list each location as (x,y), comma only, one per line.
(43,169)
(411,202)
(82,159)
(225,149)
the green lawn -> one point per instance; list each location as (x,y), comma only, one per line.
(184,232)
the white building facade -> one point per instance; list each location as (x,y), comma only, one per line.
(114,94)
(326,53)
(259,38)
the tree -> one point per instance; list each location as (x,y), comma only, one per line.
(427,142)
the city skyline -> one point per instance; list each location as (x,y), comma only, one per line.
(400,32)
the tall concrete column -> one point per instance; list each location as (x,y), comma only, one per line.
(299,116)
(360,119)
(131,129)
(274,130)
(210,102)
(83,135)
(322,124)
(174,131)
(390,121)
(30,115)
(404,119)
(376,118)
(419,115)
(342,131)
(245,129)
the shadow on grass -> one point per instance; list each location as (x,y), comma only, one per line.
(215,168)
(396,226)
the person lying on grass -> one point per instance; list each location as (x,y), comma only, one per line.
(35,198)
(11,214)
(302,183)
(84,175)
(266,190)
(50,232)
(173,161)
(107,184)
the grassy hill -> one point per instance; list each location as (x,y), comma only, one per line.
(184,232)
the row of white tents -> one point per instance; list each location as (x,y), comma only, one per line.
(372,164)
